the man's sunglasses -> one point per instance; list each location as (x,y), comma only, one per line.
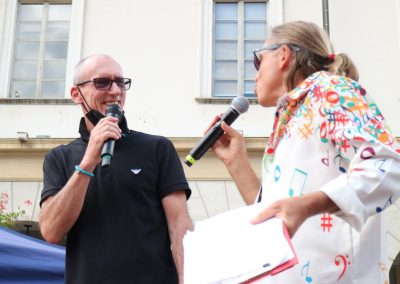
(104,84)
(256,59)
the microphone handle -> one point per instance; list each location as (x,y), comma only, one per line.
(107,153)
(213,135)
(206,142)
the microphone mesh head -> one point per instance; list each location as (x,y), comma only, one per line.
(241,104)
(113,110)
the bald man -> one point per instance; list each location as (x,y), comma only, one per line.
(124,223)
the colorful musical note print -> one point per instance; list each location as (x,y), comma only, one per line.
(297,182)
(341,132)
(343,145)
(348,134)
(326,222)
(306,131)
(342,260)
(307,277)
(267,162)
(332,97)
(367,153)
(325,160)
(355,104)
(335,119)
(323,132)
(380,165)
(380,209)
(277,174)
(341,168)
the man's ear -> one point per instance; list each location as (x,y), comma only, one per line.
(285,57)
(75,95)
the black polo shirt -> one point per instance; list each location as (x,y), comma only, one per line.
(121,235)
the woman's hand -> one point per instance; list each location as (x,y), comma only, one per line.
(290,210)
(230,146)
(295,210)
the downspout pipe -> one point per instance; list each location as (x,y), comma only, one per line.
(325,15)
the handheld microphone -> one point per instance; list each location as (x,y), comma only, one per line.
(108,147)
(238,106)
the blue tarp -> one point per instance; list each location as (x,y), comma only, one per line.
(24,259)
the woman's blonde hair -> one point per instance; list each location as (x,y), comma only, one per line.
(314,52)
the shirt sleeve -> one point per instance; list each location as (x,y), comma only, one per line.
(171,174)
(357,129)
(54,177)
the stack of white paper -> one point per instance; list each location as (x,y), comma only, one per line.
(227,248)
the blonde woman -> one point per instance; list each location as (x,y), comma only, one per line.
(331,164)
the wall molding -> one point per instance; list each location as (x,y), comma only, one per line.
(23,161)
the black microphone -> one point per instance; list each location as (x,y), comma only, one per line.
(108,147)
(238,106)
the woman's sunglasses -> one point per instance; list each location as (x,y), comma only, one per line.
(256,59)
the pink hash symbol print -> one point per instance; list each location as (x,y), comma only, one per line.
(326,222)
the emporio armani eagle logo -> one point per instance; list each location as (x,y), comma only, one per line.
(136,171)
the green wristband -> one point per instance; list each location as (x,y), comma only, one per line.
(80,170)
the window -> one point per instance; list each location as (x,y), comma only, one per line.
(40,51)
(239,28)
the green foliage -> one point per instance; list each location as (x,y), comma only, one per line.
(7,219)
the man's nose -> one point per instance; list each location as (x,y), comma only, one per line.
(114,88)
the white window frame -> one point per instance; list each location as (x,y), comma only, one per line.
(8,30)
(274,17)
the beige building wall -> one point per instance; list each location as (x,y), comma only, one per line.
(160,46)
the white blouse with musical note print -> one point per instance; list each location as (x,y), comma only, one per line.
(330,136)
